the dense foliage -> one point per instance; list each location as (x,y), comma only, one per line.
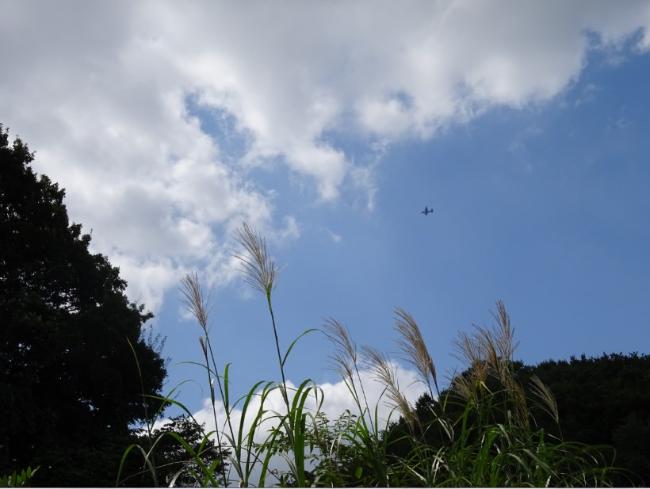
(69,383)
(175,466)
(177,447)
(601,401)
(604,401)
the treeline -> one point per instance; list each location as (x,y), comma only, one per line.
(601,401)
(604,401)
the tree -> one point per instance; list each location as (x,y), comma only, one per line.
(174,463)
(601,401)
(604,400)
(70,386)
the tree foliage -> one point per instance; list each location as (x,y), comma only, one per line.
(173,463)
(604,400)
(70,385)
(601,401)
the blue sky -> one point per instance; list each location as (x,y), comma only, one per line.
(529,139)
(543,207)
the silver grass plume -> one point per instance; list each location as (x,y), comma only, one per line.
(260,271)
(415,349)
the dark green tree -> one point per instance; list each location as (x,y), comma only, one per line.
(173,462)
(602,401)
(70,387)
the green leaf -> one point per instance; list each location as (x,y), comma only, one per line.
(293,343)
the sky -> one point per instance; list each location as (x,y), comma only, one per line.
(329,126)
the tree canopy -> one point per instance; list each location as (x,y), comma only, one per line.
(67,372)
(601,401)
(604,400)
(174,464)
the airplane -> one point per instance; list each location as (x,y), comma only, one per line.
(427,211)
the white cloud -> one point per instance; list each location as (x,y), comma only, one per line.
(148,279)
(337,399)
(100,91)
(290,230)
(336,238)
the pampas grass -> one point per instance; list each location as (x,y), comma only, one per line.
(477,432)
(416,351)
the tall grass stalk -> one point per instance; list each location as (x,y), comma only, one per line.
(149,462)
(364,435)
(346,362)
(413,345)
(260,271)
(195,302)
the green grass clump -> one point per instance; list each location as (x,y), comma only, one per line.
(18,479)
(480,431)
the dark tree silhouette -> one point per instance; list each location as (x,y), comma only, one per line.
(604,400)
(601,401)
(174,463)
(69,382)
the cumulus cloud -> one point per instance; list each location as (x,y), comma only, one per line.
(101,91)
(336,238)
(337,400)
